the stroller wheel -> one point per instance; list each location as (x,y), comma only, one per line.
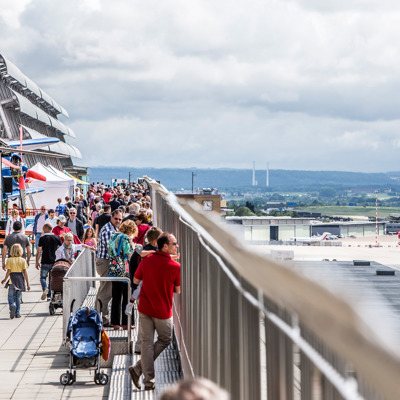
(101,379)
(66,379)
(52,309)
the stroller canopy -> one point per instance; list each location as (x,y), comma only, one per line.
(84,330)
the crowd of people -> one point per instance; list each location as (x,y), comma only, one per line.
(116,222)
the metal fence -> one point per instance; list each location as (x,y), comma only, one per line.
(78,281)
(83,266)
(261,330)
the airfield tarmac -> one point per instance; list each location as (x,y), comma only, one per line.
(386,255)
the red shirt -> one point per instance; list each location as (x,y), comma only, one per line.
(61,231)
(160,274)
(107,196)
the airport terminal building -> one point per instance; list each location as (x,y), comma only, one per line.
(262,230)
(24,103)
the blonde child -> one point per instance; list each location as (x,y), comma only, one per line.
(16,269)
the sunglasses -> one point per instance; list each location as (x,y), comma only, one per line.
(118,219)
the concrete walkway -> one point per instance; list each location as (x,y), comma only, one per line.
(31,355)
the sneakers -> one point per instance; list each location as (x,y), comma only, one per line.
(134,376)
(18,316)
(44,294)
(152,387)
(13,309)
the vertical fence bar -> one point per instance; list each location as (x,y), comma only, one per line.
(219,329)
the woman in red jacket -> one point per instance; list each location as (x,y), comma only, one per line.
(143,227)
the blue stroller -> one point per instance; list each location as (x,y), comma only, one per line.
(84,330)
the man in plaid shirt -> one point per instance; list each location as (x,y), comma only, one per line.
(102,264)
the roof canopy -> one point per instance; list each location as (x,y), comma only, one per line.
(60,147)
(14,72)
(35,112)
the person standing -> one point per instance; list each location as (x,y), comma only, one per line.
(40,220)
(48,244)
(89,239)
(143,226)
(60,229)
(107,195)
(68,249)
(121,245)
(52,220)
(161,278)
(103,263)
(75,224)
(16,237)
(133,210)
(10,222)
(60,209)
(16,269)
(114,203)
(102,219)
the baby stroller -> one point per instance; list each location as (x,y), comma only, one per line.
(57,274)
(84,330)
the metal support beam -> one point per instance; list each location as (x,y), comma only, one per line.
(5,122)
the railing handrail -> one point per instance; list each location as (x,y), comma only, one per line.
(351,335)
(89,276)
(108,279)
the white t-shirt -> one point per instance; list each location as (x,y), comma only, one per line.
(40,222)
(53,221)
(10,222)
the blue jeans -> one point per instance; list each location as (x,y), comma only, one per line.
(37,237)
(14,297)
(44,273)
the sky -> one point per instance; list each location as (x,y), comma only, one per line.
(306,84)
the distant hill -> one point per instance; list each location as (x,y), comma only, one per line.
(174,178)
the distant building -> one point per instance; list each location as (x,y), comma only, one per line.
(24,103)
(261,230)
(207,198)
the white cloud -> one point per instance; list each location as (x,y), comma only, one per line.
(11,11)
(304,84)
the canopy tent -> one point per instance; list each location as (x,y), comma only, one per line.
(77,180)
(54,187)
(57,172)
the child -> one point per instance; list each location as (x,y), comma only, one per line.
(16,269)
(89,238)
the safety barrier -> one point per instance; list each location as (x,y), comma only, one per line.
(262,330)
(83,266)
(77,282)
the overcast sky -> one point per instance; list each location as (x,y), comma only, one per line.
(306,84)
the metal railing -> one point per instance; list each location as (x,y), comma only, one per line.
(77,282)
(262,330)
(72,281)
(83,266)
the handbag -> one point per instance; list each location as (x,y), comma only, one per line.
(105,345)
(117,263)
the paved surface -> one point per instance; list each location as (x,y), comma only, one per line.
(32,358)
(384,255)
